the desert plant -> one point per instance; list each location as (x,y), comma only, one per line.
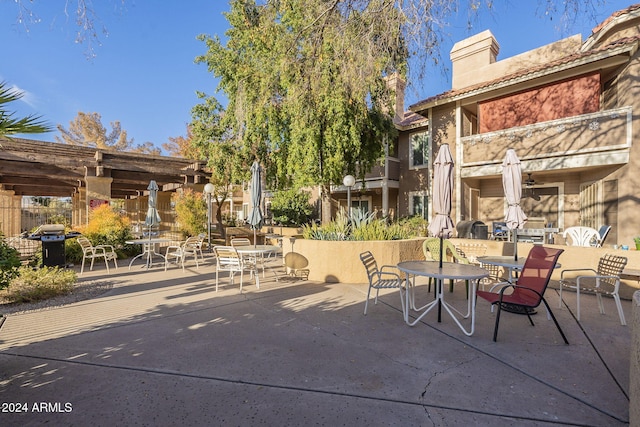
(39,284)
(338,229)
(416,226)
(9,263)
(362,226)
(191,212)
(291,207)
(379,230)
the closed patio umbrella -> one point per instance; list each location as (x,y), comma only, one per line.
(442,225)
(512,184)
(153,217)
(255,216)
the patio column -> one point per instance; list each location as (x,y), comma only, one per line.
(10,214)
(98,191)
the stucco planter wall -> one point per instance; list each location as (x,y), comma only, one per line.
(331,261)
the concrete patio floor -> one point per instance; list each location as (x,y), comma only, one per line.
(163,348)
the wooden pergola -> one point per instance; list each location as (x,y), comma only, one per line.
(36,168)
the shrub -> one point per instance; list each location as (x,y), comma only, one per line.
(39,284)
(415,225)
(363,226)
(9,263)
(291,207)
(191,212)
(106,227)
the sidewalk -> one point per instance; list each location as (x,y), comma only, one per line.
(166,349)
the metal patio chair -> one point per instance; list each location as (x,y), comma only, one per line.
(381,279)
(605,280)
(528,291)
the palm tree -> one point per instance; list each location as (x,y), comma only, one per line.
(10,125)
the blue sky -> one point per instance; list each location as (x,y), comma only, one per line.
(144,73)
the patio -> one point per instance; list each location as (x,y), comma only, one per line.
(163,348)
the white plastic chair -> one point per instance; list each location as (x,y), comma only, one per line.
(228,259)
(603,232)
(605,280)
(107,252)
(581,236)
(191,246)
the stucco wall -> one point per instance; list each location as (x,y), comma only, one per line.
(563,99)
(634,362)
(331,261)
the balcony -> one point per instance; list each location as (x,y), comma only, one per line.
(375,176)
(586,140)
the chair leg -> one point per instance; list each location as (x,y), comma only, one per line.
(106,262)
(555,321)
(560,294)
(82,268)
(616,297)
(600,303)
(216,280)
(366,303)
(495,328)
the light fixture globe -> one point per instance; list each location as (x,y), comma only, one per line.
(349,181)
(208,188)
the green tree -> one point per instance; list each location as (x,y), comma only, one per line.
(87,130)
(291,207)
(225,159)
(304,98)
(9,125)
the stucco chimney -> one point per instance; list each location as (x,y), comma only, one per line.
(397,85)
(469,56)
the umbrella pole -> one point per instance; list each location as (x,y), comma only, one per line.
(439,283)
(515,244)
(254,237)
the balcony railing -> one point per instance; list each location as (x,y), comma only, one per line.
(607,130)
(377,172)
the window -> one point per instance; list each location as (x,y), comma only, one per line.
(418,204)
(419,150)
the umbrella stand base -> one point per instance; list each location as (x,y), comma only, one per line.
(518,309)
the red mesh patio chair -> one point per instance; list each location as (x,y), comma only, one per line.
(528,291)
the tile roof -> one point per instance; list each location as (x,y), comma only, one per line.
(613,16)
(561,61)
(410,118)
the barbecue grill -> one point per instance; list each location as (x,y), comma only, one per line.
(52,237)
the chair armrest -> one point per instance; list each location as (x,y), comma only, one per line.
(576,269)
(598,278)
(388,266)
(504,288)
(388,273)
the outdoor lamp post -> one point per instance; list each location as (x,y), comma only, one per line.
(349,181)
(208,190)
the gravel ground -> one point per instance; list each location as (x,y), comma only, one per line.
(82,291)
